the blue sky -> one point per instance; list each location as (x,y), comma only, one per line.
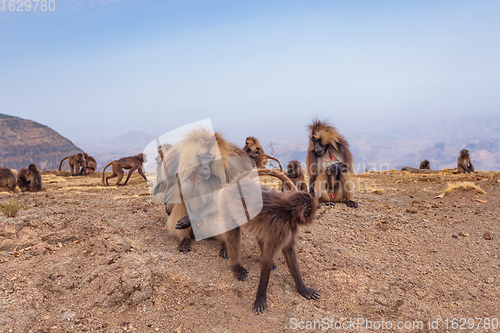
(98,69)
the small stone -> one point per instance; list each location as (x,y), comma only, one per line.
(7,245)
(460,233)
(40,248)
(411,210)
(454,236)
(488,235)
(28,237)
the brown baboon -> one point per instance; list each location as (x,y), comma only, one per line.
(7,179)
(425,164)
(254,150)
(131,163)
(29,179)
(90,164)
(294,172)
(464,164)
(199,164)
(76,162)
(275,227)
(329,163)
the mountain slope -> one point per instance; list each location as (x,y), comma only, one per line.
(23,142)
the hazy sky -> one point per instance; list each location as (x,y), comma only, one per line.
(98,69)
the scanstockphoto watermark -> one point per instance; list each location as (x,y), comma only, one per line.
(326,324)
(354,324)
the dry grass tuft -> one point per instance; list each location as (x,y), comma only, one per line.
(373,190)
(466,186)
(11,208)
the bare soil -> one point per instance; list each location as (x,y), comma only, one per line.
(84,257)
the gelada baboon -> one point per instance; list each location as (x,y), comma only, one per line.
(464,164)
(7,179)
(254,150)
(76,162)
(29,179)
(329,163)
(199,165)
(275,227)
(425,164)
(294,172)
(90,165)
(131,163)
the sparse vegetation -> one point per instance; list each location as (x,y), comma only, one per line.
(467,186)
(11,208)
(272,153)
(375,190)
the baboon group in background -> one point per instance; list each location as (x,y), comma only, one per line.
(80,164)
(77,164)
(83,164)
(464,164)
(28,179)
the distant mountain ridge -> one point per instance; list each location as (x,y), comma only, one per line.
(439,142)
(129,144)
(23,142)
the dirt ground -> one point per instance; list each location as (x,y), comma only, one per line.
(84,257)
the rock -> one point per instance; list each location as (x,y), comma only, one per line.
(116,243)
(27,237)
(7,244)
(488,235)
(41,248)
(460,233)
(411,210)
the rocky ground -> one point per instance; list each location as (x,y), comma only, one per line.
(84,257)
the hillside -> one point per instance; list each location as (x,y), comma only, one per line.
(23,142)
(88,258)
